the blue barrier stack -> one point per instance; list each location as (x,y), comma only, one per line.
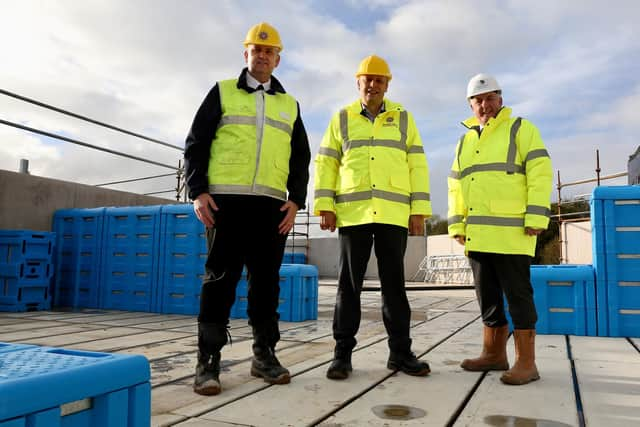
(298,298)
(78,257)
(615,224)
(130,258)
(183,252)
(25,269)
(151,258)
(49,387)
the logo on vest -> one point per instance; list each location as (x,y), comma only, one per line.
(284,115)
(389,123)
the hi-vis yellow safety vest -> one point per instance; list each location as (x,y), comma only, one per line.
(372,172)
(250,152)
(500,183)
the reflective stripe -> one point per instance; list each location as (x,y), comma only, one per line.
(460,149)
(368,195)
(329,152)
(513,148)
(404,125)
(251,120)
(415,149)
(237,120)
(492,220)
(344,127)
(247,189)
(456,219)
(356,143)
(534,154)
(454,174)
(491,167)
(390,143)
(420,195)
(538,210)
(325,193)
(279,125)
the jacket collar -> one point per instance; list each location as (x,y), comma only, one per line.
(473,123)
(276,86)
(356,106)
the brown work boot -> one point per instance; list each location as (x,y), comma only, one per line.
(524,370)
(494,351)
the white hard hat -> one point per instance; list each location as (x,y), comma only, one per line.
(481,83)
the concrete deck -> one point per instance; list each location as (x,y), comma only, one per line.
(585,380)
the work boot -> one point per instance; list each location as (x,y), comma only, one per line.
(340,367)
(524,370)
(494,351)
(265,365)
(211,338)
(207,381)
(408,363)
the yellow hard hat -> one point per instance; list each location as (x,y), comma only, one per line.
(374,66)
(263,34)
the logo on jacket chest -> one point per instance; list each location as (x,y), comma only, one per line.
(389,122)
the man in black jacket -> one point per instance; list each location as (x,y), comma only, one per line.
(247,167)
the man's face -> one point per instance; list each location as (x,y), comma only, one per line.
(372,88)
(261,61)
(486,106)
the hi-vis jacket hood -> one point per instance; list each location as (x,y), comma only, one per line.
(500,183)
(372,172)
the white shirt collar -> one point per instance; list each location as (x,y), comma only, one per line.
(253,83)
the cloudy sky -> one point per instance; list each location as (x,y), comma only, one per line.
(570,66)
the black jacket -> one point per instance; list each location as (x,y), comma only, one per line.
(203,131)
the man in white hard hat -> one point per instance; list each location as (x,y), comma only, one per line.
(246,162)
(372,182)
(499,195)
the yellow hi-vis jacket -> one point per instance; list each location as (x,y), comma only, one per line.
(251,150)
(372,172)
(500,183)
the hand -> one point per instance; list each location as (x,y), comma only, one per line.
(204,207)
(459,238)
(287,223)
(328,221)
(416,225)
(532,231)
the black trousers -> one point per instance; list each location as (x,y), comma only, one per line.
(390,243)
(245,234)
(498,274)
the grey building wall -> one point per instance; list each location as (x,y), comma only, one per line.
(28,202)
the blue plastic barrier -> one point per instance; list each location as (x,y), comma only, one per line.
(50,387)
(78,257)
(183,252)
(25,270)
(615,221)
(130,258)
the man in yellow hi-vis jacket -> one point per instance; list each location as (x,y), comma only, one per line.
(372,182)
(247,167)
(499,193)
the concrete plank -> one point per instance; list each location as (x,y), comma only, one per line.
(603,348)
(610,392)
(548,401)
(81,337)
(39,335)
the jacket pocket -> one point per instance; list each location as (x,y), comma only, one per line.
(513,207)
(400,182)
